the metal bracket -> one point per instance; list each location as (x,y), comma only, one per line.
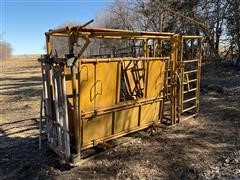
(71,59)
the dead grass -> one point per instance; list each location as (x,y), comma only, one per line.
(183,151)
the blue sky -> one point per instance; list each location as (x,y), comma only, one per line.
(23,22)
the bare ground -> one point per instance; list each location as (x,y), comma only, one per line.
(207,147)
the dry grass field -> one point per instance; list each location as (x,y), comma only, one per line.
(207,147)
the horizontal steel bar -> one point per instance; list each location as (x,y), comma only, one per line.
(60,30)
(125,31)
(89,35)
(119,107)
(192,37)
(191,60)
(188,117)
(107,60)
(193,80)
(191,99)
(190,90)
(128,37)
(188,72)
(109,32)
(188,109)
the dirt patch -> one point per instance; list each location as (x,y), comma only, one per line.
(203,148)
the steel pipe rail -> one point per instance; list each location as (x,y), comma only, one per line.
(108,60)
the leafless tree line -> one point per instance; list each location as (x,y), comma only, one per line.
(222,17)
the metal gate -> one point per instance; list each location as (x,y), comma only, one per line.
(190,64)
(55,106)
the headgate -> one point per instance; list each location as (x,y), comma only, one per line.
(93,98)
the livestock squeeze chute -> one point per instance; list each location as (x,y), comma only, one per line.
(101,84)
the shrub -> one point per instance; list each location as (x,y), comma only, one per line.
(5,50)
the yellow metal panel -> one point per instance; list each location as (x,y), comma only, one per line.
(96,128)
(68,76)
(126,119)
(155,78)
(87,82)
(68,83)
(69,94)
(149,113)
(107,74)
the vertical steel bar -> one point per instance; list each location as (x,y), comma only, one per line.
(48,44)
(154,48)
(43,98)
(172,83)
(40,123)
(50,103)
(95,87)
(139,115)
(199,74)
(146,65)
(58,78)
(182,75)
(49,94)
(65,121)
(56,93)
(161,108)
(75,114)
(79,124)
(173,88)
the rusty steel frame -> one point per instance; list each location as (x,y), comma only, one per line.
(62,79)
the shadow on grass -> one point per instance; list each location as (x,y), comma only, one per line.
(21,88)
(20,156)
(179,152)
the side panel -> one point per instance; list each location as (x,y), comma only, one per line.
(68,84)
(100,91)
(87,83)
(126,119)
(97,128)
(107,76)
(69,100)
(149,113)
(155,83)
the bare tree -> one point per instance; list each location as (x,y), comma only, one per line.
(154,15)
(5,50)
(221,17)
(233,27)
